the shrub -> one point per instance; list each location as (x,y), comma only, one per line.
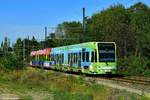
(12,62)
(133,65)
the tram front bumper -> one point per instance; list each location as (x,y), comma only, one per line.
(105,70)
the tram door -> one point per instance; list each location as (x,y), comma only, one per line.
(79,59)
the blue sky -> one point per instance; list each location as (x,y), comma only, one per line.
(20,18)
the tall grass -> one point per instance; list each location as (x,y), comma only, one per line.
(62,87)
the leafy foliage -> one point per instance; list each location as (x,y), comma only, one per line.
(11,62)
(134,66)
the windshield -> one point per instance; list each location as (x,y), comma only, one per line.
(106,52)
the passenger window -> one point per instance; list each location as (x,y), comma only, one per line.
(74,58)
(95,56)
(87,56)
(92,59)
(80,56)
(68,57)
(62,58)
(83,56)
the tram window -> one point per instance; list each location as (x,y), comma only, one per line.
(69,62)
(57,58)
(92,59)
(83,56)
(83,50)
(74,57)
(52,57)
(80,55)
(87,56)
(68,57)
(49,57)
(71,58)
(95,56)
(62,58)
(44,57)
(40,57)
(77,56)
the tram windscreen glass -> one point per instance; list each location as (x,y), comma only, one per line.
(106,52)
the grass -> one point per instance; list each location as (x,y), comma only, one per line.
(37,84)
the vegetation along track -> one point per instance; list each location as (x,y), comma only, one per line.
(118,78)
(129,80)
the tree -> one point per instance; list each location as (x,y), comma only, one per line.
(5,46)
(112,24)
(18,48)
(69,30)
(140,21)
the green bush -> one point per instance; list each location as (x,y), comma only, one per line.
(11,62)
(133,65)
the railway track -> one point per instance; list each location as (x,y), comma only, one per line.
(117,78)
(133,81)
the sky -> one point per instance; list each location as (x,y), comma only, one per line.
(22,18)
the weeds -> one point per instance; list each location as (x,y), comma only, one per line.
(30,83)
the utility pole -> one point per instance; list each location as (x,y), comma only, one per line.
(45,37)
(84,20)
(45,33)
(83,25)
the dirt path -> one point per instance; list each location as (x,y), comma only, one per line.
(119,86)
